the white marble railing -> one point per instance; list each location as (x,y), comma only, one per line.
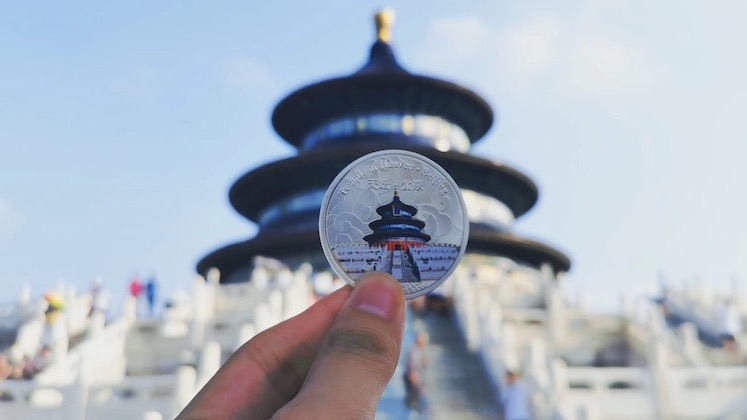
(156,347)
(28,338)
(647,328)
(100,356)
(90,382)
(609,393)
(704,310)
(713,392)
(29,400)
(127,398)
(132,397)
(677,382)
(701,306)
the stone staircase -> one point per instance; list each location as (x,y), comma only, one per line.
(457,385)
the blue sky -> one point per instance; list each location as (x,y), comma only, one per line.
(122,126)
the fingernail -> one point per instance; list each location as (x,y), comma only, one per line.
(377,296)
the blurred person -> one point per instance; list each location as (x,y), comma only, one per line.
(136,290)
(5,367)
(54,333)
(14,364)
(32,366)
(414,375)
(136,287)
(728,320)
(151,289)
(730,327)
(515,398)
(100,299)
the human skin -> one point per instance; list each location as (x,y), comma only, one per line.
(332,361)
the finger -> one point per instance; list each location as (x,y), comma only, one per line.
(358,356)
(268,370)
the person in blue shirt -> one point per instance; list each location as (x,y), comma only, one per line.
(515,398)
(150,294)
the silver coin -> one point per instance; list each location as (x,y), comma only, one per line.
(398,212)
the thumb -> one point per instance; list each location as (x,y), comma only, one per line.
(358,356)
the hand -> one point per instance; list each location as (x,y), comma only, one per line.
(333,361)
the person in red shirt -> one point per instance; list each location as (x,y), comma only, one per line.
(136,287)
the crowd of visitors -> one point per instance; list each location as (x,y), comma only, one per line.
(26,368)
(53,337)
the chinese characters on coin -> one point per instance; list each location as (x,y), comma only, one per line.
(398,212)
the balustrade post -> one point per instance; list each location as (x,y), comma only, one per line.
(559,379)
(260,278)
(213,276)
(210,361)
(199,316)
(659,366)
(152,415)
(213,283)
(495,322)
(95,324)
(246,332)
(294,296)
(691,344)
(546,274)
(508,346)
(284,278)
(557,314)
(275,299)
(129,309)
(79,403)
(24,302)
(186,388)
(536,362)
(262,317)
(472,333)
(655,322)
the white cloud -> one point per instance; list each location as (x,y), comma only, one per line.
(460,36)
(247,75)
(532,45)
(603,65)
(567,53)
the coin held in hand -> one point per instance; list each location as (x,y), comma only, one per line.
(397,212)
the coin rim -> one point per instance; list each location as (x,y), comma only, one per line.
(324,240)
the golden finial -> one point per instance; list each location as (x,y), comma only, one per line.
(396,194)
(384,20)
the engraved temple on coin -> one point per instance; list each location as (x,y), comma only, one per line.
(397,245)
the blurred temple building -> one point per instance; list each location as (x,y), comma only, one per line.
(380,106)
